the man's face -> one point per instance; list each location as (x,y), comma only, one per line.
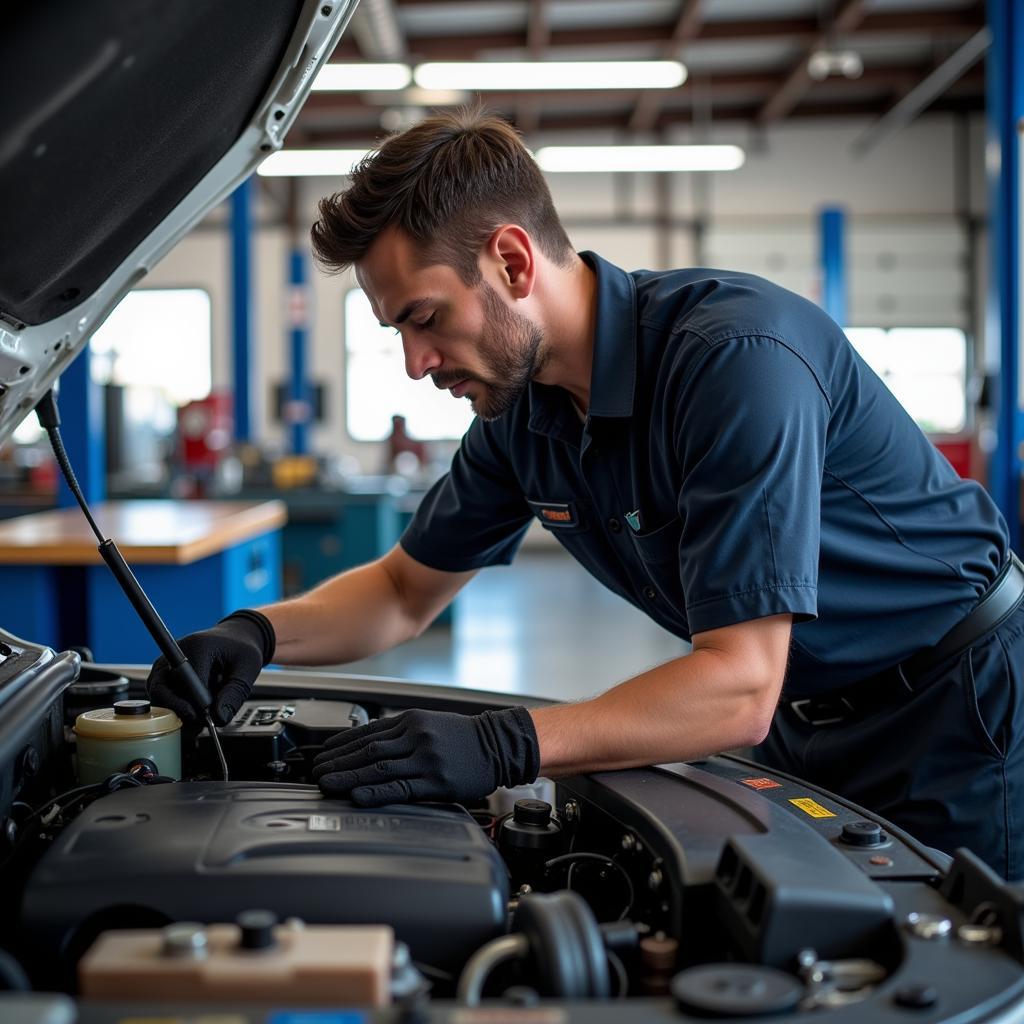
(465,338)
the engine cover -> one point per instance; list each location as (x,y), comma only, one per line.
(204,851)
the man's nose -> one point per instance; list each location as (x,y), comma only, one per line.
(420,358)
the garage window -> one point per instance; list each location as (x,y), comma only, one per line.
(157,338)
(156,345)
(924,367)
(377,388)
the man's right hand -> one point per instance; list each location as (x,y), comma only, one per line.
(227,657)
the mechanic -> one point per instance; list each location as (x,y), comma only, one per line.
(711,448)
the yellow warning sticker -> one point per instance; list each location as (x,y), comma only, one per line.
(812,807)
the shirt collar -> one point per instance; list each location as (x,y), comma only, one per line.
(613,376)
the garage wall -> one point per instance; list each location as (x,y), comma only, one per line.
(912,250)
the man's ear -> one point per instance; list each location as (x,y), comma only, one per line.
(511,251)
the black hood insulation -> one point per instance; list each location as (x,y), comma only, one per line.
(131,107)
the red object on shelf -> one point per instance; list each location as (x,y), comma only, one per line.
(43,477)
(958,453)
(205,430)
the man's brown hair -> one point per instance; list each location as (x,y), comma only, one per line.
(447,182)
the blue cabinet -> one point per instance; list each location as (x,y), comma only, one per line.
(197,561)
(188,597)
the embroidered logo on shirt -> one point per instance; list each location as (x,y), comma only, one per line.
(556,514)
(633,518)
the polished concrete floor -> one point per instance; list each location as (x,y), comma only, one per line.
(540,627)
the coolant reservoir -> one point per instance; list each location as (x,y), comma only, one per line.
(109,739)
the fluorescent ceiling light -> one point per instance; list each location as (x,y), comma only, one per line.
(332,163)
(414,96)
(297,163)
(361,77)
(575,74)
(640,158)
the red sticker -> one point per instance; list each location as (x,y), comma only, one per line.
(761,783)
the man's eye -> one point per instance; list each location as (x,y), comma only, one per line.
(428,323)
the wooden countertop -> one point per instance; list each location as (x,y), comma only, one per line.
(147,532)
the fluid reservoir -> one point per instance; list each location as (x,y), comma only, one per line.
(528,838)
(109,739)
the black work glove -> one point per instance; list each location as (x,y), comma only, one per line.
(227,657)
(429,755)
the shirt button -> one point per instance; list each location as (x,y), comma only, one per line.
(614,525)
(650,593)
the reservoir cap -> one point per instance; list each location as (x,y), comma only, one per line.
(532,812)
(132,707)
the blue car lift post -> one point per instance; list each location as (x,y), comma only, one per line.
(832,259)
(1004,73)
(243,321)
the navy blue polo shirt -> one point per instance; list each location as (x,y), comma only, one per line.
(738,460)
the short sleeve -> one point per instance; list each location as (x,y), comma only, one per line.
(475,515)
(750,441)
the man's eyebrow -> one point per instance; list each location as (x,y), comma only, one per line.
(407,311)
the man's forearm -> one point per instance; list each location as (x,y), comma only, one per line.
(691,707)
(354,615)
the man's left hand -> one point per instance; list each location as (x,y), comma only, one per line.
(430,755)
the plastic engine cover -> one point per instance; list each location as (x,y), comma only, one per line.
(204,851)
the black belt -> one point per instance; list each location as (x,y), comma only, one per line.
(897,683)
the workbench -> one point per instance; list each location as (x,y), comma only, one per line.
(197,560)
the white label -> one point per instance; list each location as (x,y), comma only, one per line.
(324,823)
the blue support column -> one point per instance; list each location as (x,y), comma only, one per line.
(299,409)
(83,430)
(1004,74)
(833,264)
(243,321)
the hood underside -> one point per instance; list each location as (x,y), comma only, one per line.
(124,124)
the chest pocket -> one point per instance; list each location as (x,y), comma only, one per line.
(561,517)
(661,545)
(658,552)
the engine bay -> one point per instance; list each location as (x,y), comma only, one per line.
(274,846)
(686,891)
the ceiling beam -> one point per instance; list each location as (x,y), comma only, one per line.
(848,16)
(645,113)
(353,134)
(376,31)
(925,92)
(538,32)
(364,129)
(953,25)
(538,35)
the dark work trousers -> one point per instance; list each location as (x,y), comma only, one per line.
(946,764)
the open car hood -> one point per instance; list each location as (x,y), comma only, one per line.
(124,123)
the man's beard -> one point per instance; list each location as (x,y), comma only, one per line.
(510,349)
